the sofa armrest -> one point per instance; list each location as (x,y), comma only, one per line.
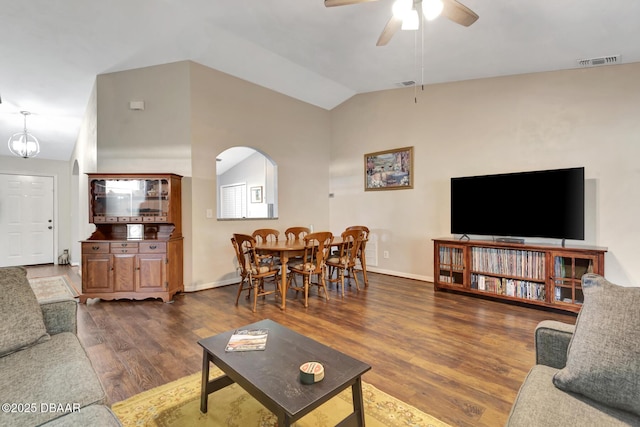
(552,342)
(60,316)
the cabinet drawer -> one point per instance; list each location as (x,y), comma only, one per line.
(123,245)
(95,248)
(129,250)
(154,219)
(153,247)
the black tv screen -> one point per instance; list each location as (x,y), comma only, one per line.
(548,203)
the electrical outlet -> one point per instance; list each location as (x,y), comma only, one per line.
(385,254)
(209,213)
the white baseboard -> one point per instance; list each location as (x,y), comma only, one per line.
(234,281)
(400,274)
(211,285)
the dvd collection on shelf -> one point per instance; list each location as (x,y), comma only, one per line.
(568,279)
(509,287)
(451,263)
(451,256)
(488,263)
(509,262)
(536,274)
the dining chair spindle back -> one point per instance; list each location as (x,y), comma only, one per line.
(253,268)
(296,233)
(344,261)
(313,263)
(361,252)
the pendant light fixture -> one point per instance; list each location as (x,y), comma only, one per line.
(24,144)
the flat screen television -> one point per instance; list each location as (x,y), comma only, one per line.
(546,203)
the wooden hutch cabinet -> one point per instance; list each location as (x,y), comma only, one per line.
(136,251)
(535,274)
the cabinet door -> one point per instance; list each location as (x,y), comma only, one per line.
(123,199)
(96,273)
(152,273)
(124,272)
(450,265)
(568,269)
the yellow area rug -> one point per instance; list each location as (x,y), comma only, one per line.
(178,404)
(53,288)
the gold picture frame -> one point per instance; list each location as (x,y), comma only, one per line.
(389,170)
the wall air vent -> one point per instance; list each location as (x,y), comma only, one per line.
(408,83)
(603,60)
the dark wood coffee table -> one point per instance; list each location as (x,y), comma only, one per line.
(272,375)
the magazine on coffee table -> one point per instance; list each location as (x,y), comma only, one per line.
(248,340)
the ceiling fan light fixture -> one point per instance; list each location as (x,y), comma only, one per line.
(411,20)
(24,144)
(401,8)
(431,9)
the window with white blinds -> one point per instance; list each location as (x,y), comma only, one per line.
(233,201)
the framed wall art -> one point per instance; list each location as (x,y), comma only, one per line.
(389,170)
(256,194)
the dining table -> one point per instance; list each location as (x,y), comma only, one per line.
(287,249)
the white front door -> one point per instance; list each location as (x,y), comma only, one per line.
(26,220)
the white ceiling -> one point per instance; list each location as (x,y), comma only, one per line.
(51,51)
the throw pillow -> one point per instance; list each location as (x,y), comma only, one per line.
(603,359)
(22,324)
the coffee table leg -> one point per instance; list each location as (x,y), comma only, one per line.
(204,396)
(284,421)
(358,402)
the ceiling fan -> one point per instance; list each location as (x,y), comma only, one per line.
(406,14)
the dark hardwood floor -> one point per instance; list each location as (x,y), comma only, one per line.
(458,358)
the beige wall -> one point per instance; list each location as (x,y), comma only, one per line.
(193,113)
(156,139)
(586,117)
(227,112)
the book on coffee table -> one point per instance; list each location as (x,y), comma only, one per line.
(248,340)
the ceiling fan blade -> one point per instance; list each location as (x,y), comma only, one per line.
(459,13)
(390,29)
(332,3)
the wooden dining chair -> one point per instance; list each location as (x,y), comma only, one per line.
(361,252)
(316,250)
(296,233)
(344,261)
(253,268)
(266,235)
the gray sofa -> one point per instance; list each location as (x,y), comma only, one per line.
(46,376)
(587,374)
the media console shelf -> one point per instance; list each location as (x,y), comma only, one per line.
(536,274)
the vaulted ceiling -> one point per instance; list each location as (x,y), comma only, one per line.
(51,51)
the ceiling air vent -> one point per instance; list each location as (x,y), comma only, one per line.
(408,83)
(603,60)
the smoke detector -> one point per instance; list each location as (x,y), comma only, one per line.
(603,60)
